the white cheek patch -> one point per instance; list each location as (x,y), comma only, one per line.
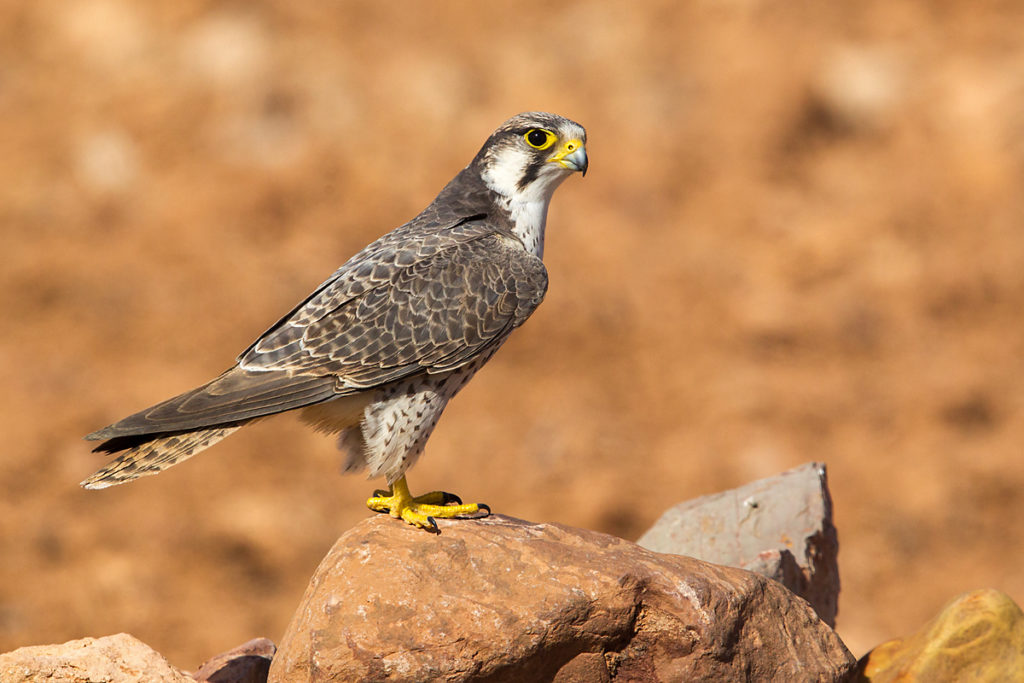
(505,171)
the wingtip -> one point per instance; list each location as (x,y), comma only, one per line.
(98,435)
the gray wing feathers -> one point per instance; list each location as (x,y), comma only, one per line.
(433,312)
(407,304)
(235,396)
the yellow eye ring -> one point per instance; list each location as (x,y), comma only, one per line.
(538,138)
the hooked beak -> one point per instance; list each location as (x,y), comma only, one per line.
(573,156)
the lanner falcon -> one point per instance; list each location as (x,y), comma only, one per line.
(375,352)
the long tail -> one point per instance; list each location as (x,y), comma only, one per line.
(153,455)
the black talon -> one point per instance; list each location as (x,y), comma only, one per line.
(449,498)
(484,506)
(433,523)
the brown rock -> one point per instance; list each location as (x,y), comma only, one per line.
(977,637)
(500,599)
(780,527)
(111,659)
(247,663)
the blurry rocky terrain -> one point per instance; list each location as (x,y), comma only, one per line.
(503,599)
(801,238)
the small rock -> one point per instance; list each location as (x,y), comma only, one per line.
(860,86)
(780,527)
(978,637)
(112,659)
(500,599)
(247,663)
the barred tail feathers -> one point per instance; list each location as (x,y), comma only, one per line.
(156,455)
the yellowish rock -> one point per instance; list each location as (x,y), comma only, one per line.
(112,659)
(977,637)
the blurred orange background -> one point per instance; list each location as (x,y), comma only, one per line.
(801,238)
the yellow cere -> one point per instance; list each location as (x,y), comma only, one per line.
(567,149)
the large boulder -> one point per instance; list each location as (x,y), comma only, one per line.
(500,599)
(112,659)
(779,527)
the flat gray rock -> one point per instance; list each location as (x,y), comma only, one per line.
(780,527)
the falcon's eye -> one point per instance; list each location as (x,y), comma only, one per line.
(539,138)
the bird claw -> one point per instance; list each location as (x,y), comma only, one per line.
(424,511)
(483,510)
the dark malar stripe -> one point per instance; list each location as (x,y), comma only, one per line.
(530,174)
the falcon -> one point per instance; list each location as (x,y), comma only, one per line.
(375,353)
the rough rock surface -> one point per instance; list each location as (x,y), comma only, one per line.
(977,637)
(780,527)
(247,663)
(112,659)
(500,599)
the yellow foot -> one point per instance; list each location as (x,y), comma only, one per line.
(422,510)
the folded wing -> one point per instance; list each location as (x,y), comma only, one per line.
(422,310)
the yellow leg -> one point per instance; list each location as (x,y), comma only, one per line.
(421,510)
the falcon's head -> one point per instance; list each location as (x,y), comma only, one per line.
(531,154)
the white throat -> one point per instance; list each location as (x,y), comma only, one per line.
(527,207)
(530,219)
